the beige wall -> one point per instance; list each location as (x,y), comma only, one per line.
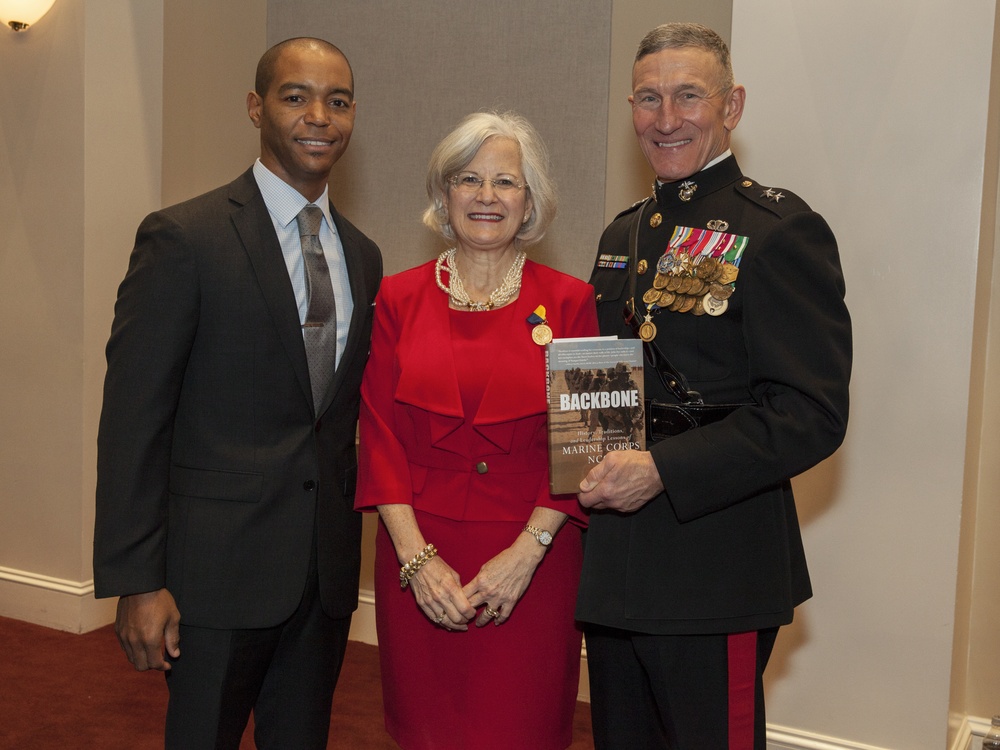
(93,124)
(80,103)
(881,125)
(210,53)
(850,115)
(975,677)
(41,295)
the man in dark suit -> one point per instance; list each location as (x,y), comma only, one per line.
(693,555)
(226,456)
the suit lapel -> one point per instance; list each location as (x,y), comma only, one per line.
(515,389)
(253,224)
(516,365)
(430,352)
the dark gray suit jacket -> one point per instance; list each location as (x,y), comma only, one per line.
(214,473)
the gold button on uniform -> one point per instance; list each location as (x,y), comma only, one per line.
(482,468)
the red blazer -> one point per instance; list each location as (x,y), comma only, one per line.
(411,448)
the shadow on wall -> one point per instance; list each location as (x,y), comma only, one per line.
(816,491)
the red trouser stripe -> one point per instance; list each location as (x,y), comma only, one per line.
(742,686)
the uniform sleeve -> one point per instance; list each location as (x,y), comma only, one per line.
(579,312)
(156,319)
(797,335)
(383,468)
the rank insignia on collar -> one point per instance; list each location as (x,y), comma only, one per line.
(612,261)
(772,195)
(718,225)
(687,190)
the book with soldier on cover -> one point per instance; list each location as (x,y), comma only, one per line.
(595,395)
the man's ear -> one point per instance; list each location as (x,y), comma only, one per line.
(254,105)
(734,107)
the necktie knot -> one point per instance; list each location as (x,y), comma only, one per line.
(309,219)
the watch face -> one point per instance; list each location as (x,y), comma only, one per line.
(545,538)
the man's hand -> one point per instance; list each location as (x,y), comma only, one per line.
(623,481)
(145,625)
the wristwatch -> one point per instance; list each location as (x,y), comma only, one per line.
(544,537)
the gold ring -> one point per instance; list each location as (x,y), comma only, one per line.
(490,612)
(439,619)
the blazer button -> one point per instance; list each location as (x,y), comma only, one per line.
(309,485)
(482,468)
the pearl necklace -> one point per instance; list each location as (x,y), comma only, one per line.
(455,289)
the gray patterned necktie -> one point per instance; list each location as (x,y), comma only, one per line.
(319,332)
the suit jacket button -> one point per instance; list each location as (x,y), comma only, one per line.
(482,468)
(309,485)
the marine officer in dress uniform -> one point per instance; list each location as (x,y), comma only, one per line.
(694,557)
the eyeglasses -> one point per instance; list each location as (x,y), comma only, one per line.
(472,183)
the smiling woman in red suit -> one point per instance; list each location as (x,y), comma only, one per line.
(454,457)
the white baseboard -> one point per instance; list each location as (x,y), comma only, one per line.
(969,737)
(53,602)
(788,738)
(970,733)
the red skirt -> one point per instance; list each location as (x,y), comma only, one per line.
(504,687)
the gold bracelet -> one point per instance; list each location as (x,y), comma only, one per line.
(419,560)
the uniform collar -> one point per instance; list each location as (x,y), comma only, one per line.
(697,186)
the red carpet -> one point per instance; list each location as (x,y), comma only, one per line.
(77,692)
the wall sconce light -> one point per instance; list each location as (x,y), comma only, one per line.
(20,14)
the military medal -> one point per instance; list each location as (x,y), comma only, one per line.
(647,331)
(721,291)
(729,274)
(652,294)
(541,334)
(696,274)
(713,306)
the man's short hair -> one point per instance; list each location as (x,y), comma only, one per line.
(268,61)
(678,35)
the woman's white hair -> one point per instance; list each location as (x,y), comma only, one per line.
(460,147)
